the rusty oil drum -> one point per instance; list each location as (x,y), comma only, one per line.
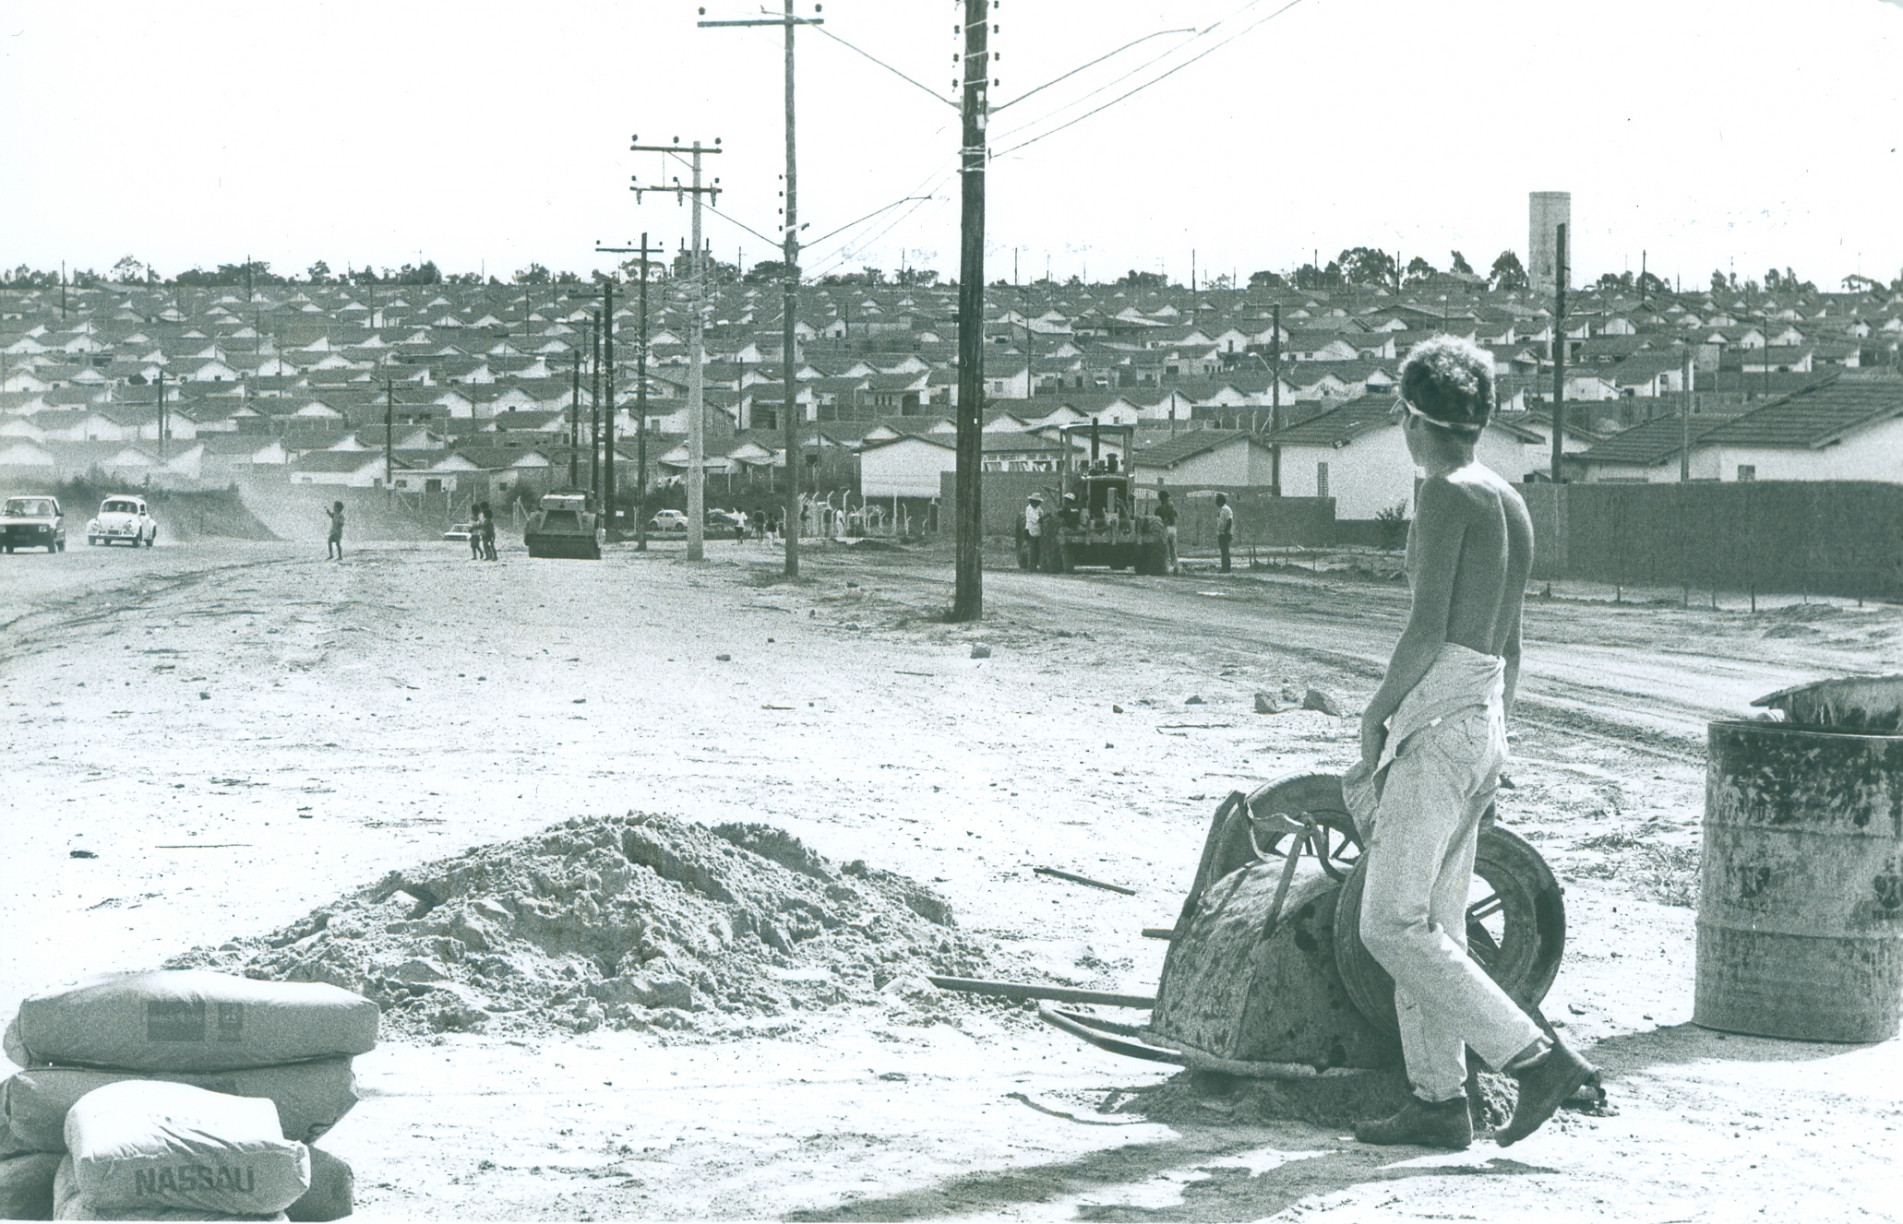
(1800,919)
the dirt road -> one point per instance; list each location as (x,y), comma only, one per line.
(240,732)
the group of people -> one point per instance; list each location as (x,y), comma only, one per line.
(482,532)
(1031,524)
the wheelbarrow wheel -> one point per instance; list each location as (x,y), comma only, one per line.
(1516,928)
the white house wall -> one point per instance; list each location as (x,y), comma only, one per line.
(904,469)
(1871,454)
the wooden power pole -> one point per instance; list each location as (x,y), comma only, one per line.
(1559,353)
(697,348)
(609,533)
(640,389)
(968,579)
(389,440)
(574,422)
(789,285)
(594,409)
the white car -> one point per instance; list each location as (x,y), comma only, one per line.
(123,519)
(668,520)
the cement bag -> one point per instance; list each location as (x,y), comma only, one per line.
(310,1096)
(70,1204)
(190,1020)
(143,1144)
(333,1192)
(26,1186)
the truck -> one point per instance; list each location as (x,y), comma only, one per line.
(1090,515)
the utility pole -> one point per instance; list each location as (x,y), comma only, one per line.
(389,441)
(640,391)
(574,423)
(608,408)
(968,574)
(161,416)
(1559,352)
(790,283)
(1685,422)
(594,410)
(1275,402)
(697,347)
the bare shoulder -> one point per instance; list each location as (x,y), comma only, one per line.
(1474,491)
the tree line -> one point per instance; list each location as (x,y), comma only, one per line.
(1354,267)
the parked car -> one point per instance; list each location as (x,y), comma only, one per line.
(123,519)
(460,531)
(32,522)
(668,520)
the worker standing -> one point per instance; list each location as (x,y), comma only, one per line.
(1031,531)
(1166,511)
(1225,528)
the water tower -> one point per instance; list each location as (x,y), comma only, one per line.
(1546,212)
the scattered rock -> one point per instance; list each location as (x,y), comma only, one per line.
(417,969)
(981,651)
(1192,700)
(724,658)
(1265,704)
(203,695)
(80,854)
(1116,709)
(1323,700)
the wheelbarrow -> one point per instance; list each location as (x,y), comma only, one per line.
(1266,975)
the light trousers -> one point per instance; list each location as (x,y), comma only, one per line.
(1414,904)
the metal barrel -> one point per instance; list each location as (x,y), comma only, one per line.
(1800,913)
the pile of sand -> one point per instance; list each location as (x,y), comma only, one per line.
(629,922)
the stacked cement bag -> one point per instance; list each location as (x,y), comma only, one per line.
(139,1045)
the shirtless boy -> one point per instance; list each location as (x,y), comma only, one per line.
(1434,738)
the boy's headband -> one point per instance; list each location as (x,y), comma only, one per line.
(1436,422)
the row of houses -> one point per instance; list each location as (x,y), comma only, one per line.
(306,383)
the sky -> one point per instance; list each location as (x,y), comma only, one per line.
(1727,134)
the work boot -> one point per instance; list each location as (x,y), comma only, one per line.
(1440,1124)
(1544,1083)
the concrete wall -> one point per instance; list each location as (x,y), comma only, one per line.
(1830,538)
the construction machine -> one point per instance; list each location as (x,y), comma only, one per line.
(1093,517)
(565,526)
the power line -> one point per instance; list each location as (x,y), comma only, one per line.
(936,96)
(1158,58)
(1153,81)
(1093,63)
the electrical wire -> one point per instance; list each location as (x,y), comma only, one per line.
(1092,64)
(1138,70)
(889,68)
(1172,71)
(847,250)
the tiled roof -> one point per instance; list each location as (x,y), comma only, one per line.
(1340,425)
(1647,444)
(1188,444)
(1816,416)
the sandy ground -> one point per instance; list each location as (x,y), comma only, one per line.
(240,732)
